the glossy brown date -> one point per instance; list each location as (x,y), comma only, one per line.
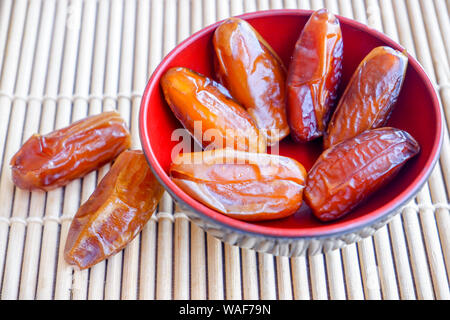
(115,213)
(49,161)
(242,185)
(347,173)
(313,76)
(254,74)
(369,97)
(199,101)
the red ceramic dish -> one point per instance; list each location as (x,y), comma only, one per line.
(417,111)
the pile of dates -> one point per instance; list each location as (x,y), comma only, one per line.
(121,204)
(255,103)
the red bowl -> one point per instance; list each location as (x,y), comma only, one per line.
(417,111)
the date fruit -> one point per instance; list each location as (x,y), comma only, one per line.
(199,101)
(242,185)
(115,213)
(369,97)
(314,76)
(254,74)
(49,161)
(350,171)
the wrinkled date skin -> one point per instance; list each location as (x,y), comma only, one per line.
(254,74)
(347,173)
(53,160)
(369,97)
(115,213)
(194,97)
(314,76)
(242,185)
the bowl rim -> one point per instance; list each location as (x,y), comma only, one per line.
(333,229)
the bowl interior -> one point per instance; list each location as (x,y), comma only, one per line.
(417,111)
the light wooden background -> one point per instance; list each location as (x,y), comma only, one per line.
(63,60)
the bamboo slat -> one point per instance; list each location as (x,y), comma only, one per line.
(267,276)
(215,268)
(182,244)
(43,202)
(435,180)
(232,273)
(263,4)
(20,114)
(335,275)
(300,279)
(97,273)
(349,253)
(284,282)
(5,13)
(81,110)
(352,273)
(110,88)
(130,271)
(9,73)
(181,256)
(67,112)
(61,61)
(250,287)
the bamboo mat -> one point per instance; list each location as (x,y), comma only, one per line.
(63,60)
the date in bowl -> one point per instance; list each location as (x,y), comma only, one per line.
(417,111)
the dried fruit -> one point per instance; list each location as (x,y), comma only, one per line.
(370,95)
(242,185)
(53,160)
(347,173)
(313,76)
(115,213)
(199,101)
(254,75)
